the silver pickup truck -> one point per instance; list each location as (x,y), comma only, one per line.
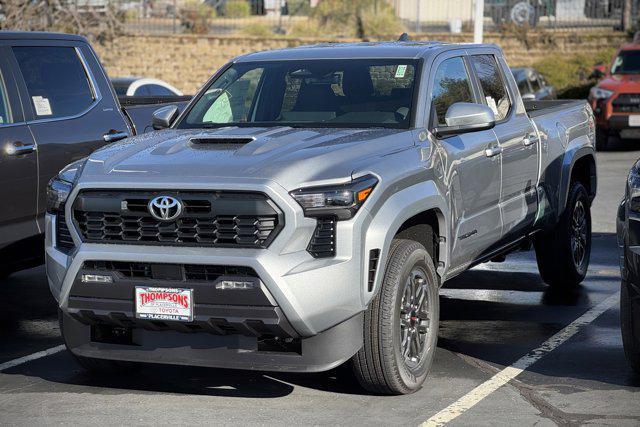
(307,205)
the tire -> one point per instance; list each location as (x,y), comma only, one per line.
(385,364)
(560,266)
(630,324)
(96,367)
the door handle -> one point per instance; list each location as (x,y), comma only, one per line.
(492,151)
(17,148)
(114,136)
(528,142)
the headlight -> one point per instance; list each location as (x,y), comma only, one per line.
(341,201)
(599,93)
(61,185)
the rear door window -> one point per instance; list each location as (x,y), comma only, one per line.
(492,84)
(56,80)
(451,84)
(5,108)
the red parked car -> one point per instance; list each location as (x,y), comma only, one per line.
(616,98)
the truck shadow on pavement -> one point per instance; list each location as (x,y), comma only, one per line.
(493,315)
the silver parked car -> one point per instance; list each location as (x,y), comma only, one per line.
(305,208)
(532,85)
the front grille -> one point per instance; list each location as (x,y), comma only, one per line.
(626,103)
(215,219)
(64,242)
(195,272)
(323,242)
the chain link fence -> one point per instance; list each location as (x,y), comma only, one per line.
(323,18)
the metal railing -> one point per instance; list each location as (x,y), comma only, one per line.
(334,18)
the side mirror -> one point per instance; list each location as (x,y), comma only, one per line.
(463,117)
(599,71)
(163,117)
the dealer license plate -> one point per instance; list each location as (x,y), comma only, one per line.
(634,120)
(164,304)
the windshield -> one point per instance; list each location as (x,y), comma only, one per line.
(314,93)
(627,62)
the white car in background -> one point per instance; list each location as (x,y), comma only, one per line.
(138,86)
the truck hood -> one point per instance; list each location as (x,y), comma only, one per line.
(292,157)
(621,82)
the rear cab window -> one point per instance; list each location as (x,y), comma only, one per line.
(56,81)
(492,84)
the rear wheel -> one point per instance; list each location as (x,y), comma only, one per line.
(401,324)
(97,367)
(630,323)
(563,253)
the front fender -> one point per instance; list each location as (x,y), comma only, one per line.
(388,219)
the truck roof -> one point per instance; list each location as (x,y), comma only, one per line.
(630,46)
(38,35)
(397,49)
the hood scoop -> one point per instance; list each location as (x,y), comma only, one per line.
(222,140)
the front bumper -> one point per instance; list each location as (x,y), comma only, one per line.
(307,297)
(319,353)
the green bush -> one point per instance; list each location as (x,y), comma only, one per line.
(195,16)
(570,73)
(357,18)
(381,22)
(298,7)
(258,30)
(237,9)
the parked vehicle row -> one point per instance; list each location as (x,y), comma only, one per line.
(56,106)
(306,206)
(304,209)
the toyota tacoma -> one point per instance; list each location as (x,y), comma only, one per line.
(306,206)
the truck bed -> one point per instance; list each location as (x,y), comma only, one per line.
(537,108)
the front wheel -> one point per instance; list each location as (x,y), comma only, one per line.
(563,252)
(630,323)
(401,324)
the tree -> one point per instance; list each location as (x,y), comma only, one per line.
(67,16)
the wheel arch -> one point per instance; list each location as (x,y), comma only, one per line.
(408,221)
(581,167)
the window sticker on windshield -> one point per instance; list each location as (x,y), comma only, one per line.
(42,105)
(401,71)
(492,104)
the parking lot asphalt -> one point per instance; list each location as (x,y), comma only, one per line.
(560,356)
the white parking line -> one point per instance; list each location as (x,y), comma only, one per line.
(15,362)
(476,395)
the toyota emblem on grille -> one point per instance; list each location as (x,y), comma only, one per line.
(165,208)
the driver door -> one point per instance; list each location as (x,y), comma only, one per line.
(472,177)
